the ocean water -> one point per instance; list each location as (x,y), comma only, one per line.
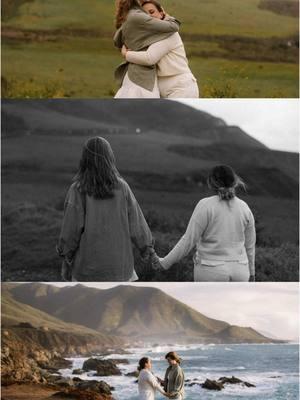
(274,369)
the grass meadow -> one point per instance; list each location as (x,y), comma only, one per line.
(235,49)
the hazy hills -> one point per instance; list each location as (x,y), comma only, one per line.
(130,312)
(121,117)
(164,159)
(185,145)
(15,313)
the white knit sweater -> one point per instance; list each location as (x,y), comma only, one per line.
(168,54)
(221,231)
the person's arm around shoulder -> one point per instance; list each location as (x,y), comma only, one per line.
(250,240)
(194,231)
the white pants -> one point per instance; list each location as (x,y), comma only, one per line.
(182,86)
(130,90)
(222,271)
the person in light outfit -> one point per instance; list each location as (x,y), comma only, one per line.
(222,229)
(175,79)
(138,30)
(148,384)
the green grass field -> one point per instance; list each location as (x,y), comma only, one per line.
(236,49)
(38,169)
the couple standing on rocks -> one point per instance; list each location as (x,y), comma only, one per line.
(102,221)
(173,383)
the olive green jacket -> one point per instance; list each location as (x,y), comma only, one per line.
(174,381)
(138,32)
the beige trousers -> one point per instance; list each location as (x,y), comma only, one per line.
(182,86)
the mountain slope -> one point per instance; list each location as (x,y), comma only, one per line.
(132,312)
(124,117)
(15,313)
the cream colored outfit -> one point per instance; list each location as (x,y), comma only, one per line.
(130,90)
(148,385)
(175,79)
(223,233)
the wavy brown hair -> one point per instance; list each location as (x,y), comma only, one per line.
(173,356)
(155,3)
(122,9)
(97,174)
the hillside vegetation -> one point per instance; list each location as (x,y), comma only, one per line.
(236,49)
(133,313)
(41,150)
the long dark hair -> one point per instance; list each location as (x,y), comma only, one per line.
(224,181)
(97,174)
(122,9)
(143,361)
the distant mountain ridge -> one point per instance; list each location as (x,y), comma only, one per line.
(132,313)
(122,117)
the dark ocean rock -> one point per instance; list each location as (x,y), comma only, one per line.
(134,374)
(103,367)
(212,385)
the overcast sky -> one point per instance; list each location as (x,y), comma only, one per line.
(269,307)
(275,122)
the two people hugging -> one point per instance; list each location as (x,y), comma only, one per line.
(155,62)
(103,222)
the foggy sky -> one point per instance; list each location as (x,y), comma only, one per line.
(269,307)
(274,122)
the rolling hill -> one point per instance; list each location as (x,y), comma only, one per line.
(165,160)
(235,49)
(15,313)
(137,313)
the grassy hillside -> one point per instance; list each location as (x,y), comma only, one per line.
(129,311)
(236,49)
(40,154)
(15,312)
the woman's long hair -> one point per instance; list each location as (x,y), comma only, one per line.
(143,361)
(97,174)
(224,181)
(122,9)
(173,356)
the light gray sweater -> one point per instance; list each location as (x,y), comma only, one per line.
(220,230)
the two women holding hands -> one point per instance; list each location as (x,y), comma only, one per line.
(103,221)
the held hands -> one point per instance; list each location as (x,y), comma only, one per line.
(155,262)
(66,270)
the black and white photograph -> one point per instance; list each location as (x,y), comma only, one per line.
(195,190)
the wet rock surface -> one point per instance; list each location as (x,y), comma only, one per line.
(219,384)
(102,367)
